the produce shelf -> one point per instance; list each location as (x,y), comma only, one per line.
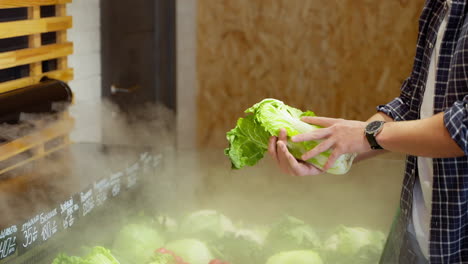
(41,234)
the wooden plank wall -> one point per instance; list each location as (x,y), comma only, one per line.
(339,58)
(36,54)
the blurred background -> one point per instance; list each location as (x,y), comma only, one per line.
(336,58)
(209,60)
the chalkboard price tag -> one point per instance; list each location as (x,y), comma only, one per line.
(69,211)
(132,175)
(49,222)
(116,183)
(157,160)
(87,202)
(30,233)
(101,191)
(8,243)
(146,159)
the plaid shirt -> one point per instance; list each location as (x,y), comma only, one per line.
(449,217)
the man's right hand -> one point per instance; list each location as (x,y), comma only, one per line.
(278,150)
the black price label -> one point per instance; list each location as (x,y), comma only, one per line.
(30,233)
(8,241)
(146,159)
(144,156)
(115,183)
(101,191)
(87,202)
(132,175)
(49,224)
(69,210)
(157,160)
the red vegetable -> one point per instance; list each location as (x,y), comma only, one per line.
(178,259)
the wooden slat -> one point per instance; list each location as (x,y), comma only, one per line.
(34,13)
(36,26)
(25,143)
(62,36)
(28,3)
(27,56)
(63,75)
(35,157)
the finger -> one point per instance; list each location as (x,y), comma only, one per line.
(272,148)
(313,135)
(294,166)
(283,136)
(320,121)
(283,152)
(332,159)
(324,146)
(311,169)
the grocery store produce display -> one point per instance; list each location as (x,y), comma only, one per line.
(210,237)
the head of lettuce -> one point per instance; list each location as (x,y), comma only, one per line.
(248,141)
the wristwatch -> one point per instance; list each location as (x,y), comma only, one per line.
(371,131)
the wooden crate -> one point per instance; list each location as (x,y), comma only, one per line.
(45,54)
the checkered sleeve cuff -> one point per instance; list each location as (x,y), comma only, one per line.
(396,109)
(456,121)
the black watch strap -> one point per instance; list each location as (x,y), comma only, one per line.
(372,141)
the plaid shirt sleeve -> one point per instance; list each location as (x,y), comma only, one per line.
(456,114)
(399,108)
(456,121)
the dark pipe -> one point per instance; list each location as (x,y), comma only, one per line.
(37,98)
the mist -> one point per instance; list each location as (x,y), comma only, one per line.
(185,180)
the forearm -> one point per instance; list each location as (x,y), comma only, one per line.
(379,116)
(426,138)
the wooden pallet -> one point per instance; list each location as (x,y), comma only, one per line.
(36,145)
(53,136)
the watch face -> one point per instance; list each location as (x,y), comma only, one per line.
(373,126)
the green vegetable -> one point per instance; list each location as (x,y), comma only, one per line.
(244,246)
(98,255)
(290,233)
(248,141)
(160,258)
(354,245)
(206,225)
(65,259)
(168,224)
(296,257)
(191,251)
(135,243)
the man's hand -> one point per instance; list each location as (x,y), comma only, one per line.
(342,136)
(277,148)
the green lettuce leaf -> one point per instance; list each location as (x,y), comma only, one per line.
(65,259)
(160,258)
(100,255)
(191,250)
(296,257)
(206,225)
(248,141)
(354,245)
(291,233)
(135,243)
